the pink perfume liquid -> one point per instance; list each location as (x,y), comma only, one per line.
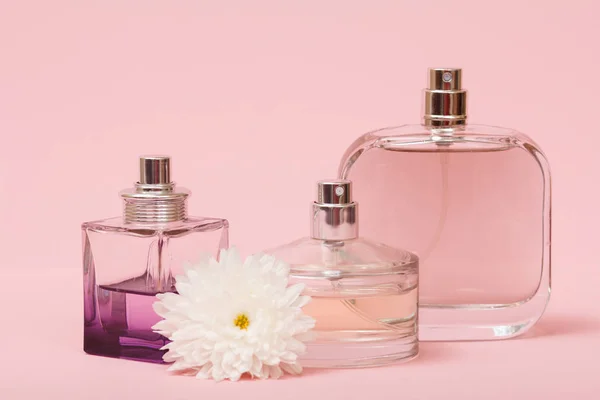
(477,215)
(474,218)
(380,311)
(361,321)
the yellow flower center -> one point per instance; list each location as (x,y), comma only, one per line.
(241,321)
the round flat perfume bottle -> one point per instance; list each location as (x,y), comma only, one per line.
(364,294)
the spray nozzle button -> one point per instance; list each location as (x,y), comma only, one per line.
(445,79)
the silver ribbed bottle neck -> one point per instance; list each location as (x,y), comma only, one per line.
(334,214)
(155,198)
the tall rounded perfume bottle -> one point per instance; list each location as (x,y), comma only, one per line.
(129,259)
(473,202)
(364,294)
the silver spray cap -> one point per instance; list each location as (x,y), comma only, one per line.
(445,101)
(155,198)
(334,214)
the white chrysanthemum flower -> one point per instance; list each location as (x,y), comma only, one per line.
(231,317)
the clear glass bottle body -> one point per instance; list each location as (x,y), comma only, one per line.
(473,202)
(364,301)
(125,266)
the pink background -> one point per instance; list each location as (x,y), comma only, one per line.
(256,101)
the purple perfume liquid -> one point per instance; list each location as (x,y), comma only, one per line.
(122,325)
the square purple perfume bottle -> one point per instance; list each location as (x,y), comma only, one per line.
(129,259)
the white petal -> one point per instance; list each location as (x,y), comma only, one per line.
(171,356)
(189,372)
(293,369)
(205,372)
(179,366)
(288,357)
(281,269)
(304,323)
(234,377)
(295,346)
(275,372)
(200,356)
(228,360)
(164,328)
(194,331)
(265,372)
(256,367)
(217,373)
(301,301)
(231,258)
(160,309)
(272,360)
(291,295)
(184,289)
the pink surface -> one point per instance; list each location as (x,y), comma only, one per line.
(41,359)
(256,101)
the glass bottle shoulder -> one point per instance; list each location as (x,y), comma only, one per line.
(357,257)
(172,229)
(422,139)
